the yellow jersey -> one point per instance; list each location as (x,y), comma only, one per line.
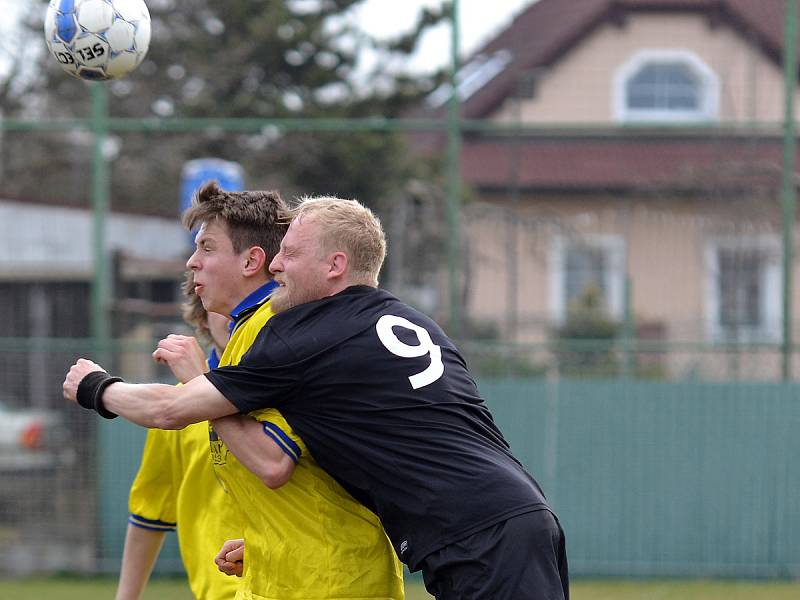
(308,539)
(176,485)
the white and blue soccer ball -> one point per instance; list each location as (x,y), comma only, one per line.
(97,39)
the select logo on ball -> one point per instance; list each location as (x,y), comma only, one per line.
(97,39)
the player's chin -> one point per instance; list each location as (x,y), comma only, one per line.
(279,300)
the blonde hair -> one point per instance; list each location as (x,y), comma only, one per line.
(350,227)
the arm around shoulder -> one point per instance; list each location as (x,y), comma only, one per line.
(167,406)
(149,404)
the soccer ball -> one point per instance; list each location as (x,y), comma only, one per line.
(97,39)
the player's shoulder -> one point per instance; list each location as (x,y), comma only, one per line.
(250,328)
(320,324)
(345,309)
(395,313)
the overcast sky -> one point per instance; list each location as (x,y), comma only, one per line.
(479,21)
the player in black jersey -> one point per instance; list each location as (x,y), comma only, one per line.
(386,404)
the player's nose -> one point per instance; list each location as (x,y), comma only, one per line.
(276,265)
(193,263)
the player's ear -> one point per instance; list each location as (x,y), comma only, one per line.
(255,261)
(338,264)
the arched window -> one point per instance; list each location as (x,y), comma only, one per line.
(666,86)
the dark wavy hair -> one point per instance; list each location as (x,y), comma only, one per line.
(252,218)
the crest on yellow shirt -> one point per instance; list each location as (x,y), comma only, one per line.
(219,451)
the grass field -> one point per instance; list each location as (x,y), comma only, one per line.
(176,589)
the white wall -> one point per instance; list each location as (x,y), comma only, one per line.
(40,241)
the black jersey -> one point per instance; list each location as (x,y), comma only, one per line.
(386,405)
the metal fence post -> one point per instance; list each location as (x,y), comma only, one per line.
(101,278)
(454,182)
(788,192)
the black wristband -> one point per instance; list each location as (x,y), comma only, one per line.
(90,392)
(98,398)
(87,387)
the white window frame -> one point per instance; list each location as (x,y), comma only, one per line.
(709,90)
(770,289)
(614,248)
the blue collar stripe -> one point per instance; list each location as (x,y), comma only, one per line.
(213,359)
(254,299)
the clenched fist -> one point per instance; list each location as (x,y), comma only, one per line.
(183,355)
(75,375)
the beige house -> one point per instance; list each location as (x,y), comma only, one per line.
(648,167)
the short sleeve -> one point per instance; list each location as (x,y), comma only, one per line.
(251,388)
(279,430)
(151,501)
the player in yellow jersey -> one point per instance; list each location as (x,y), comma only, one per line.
(174,472)
(311,521)
(307,538)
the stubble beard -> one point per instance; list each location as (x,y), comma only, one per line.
(279,300)
(283,298)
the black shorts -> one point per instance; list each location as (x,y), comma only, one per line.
(523,558)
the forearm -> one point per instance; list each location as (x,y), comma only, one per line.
(167,406)
(245,438)
(139,555)
(150,405)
